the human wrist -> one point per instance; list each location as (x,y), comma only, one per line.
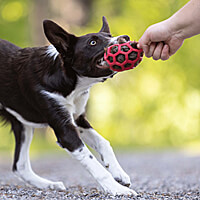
(176,27)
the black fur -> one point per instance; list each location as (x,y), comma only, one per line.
(19,139)
(82,122)
(17,129)
(25,73)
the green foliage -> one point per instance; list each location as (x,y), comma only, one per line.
(155,105)
(158,103)
(14,24)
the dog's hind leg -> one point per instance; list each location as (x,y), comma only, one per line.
(22,167)
(102,146)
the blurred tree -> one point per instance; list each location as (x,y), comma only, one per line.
(158,103)
(14,21)
(155,105)
(73,13)
(39,10)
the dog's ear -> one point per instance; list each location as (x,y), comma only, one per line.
(105,28)
(57,36)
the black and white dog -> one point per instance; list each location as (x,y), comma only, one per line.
(49,86)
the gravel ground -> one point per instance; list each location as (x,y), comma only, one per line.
(154,175)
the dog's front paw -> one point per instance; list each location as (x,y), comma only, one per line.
(126,191)
(112,165)
(114,188)
(120,190)
(57,186)
(121,177)
(124,181)
(49,185)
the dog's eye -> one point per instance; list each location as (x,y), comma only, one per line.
(93,42)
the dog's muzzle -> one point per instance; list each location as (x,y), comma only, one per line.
(101,63)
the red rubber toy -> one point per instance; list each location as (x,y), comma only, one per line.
(125,56)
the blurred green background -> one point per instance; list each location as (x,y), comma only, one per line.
(156,105)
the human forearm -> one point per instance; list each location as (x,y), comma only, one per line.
(163,39)
(185,22)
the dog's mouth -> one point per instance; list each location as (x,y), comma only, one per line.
(101,63)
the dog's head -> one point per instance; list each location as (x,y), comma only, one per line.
(84,54)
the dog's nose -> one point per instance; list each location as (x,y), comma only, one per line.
(123,37)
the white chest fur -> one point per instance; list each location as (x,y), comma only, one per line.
(75,103)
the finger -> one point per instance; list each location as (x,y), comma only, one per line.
(146,49)
(151,50)
(175,46)
(165,52)
(158,50)
(144,42)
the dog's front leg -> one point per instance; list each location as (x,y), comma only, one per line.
(81,153)
(101,175)
(68,138)
(84,156)
(102,146)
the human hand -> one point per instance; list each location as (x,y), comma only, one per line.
(160,41)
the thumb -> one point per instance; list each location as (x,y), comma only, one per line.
(145,39)
(144,42)
(138,45)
